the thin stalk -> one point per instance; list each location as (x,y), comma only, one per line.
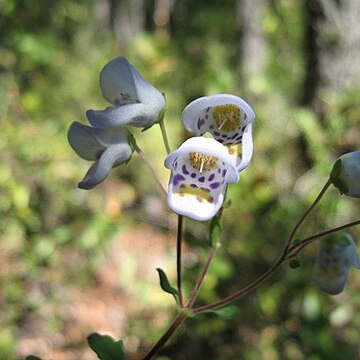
(164,136)
(200,281)
(305,215)
(180,318)
(162,190)
(239,294)
(295,250)
(178,258)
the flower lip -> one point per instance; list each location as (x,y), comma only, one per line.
(205,146)
(192,110)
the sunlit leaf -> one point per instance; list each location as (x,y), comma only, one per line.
(165,284)
(106,347)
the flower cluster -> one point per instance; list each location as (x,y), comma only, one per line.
(202,167)
(108,142)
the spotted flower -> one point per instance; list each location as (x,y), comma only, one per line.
(333,263)
(135,101)
(201,168)
(228,118)
(345,174)
(107,147)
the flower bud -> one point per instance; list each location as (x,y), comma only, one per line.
(345,174)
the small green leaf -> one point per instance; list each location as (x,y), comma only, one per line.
(32,357)
(227,204)
(165,284)
(106,347)
(294,263)
(297,241)
(208,135)
(342,240)
(215,229)
(161,114)
(335,177)
(225,313)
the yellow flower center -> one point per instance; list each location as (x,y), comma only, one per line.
(227,117)
(202,161)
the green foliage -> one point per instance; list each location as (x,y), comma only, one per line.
(165,284)
(106,347)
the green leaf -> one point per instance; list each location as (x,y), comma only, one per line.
(215,229)
(342,240)
(208,135)
(227,204)
(165,284)
(335,177)
(294,263)
(106,347)
(32,357)
(225,313)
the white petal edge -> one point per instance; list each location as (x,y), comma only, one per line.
(247,148)
(193,109)
(193,209)
(133,114)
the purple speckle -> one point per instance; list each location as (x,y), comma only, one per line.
(211,127)
(200,123)
(201,179)
(220,140)
(184,170)
(177,178)
(245,116)
(216,133)
(243,128)
(234,136)
(175,164)
(219,171)
(215,185)
(211,177)
(239,138)
(224,136)
(224,173)
(193,185)
(193,175)
(207,109)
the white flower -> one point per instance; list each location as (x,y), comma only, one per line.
(333,263)
(136,102)
(228,118)
(201,168)
(345,174)
(107,147)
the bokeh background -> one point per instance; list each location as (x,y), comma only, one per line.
(74,262)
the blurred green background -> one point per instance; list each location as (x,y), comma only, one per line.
(70,261)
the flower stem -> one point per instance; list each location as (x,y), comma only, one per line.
(293,251)
(180,318)
(239,294)
(162,190)
(164,136)
(200,281)
(305,215)
(178,258)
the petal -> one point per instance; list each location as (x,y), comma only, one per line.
(121,84)
(332,268)
(198,195)
(84,142)
(112,156)
(195,108)
(352,253)
(133,114)
(117,82)
(209,147)
(247,148)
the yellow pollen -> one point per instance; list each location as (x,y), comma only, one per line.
(202,162)
(234,150)
(227,117)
